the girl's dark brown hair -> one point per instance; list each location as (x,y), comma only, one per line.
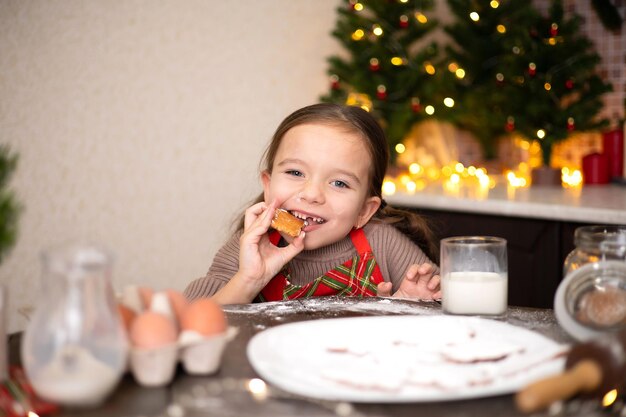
(359,121)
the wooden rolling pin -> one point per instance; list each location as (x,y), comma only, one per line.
(592,368)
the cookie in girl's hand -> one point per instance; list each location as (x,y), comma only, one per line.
(285,222)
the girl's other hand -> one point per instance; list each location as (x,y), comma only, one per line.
(419,283)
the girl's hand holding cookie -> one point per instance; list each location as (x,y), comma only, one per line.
(259,260)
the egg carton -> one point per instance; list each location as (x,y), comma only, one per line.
(199,356)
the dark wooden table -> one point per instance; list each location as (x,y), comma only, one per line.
(223,393)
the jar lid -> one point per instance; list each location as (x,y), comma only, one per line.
(591,300)
(609,238)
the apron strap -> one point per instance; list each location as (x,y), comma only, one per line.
(360,241)
(274,237)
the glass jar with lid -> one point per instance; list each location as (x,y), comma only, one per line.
(596,243)
(591,300)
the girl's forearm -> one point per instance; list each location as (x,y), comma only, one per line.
(237,291)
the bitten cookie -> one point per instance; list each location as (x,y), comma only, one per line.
(287,223)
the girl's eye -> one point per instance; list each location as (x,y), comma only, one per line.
(340,184)
(294,172)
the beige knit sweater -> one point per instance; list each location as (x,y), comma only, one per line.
(394,253)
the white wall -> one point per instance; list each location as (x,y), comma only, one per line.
(140,124)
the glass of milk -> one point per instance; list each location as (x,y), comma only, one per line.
(474,275)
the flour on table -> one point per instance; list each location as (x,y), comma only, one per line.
(325,304)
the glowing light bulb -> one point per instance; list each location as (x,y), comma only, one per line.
(400,148)
(415,168)
(448,102)
(484,181)
(430,68)
(514,180)
(358,34)
(474,16)
(541,133)
(258,388)
(494,4)
(397,61)
(361,100)
(571,178)
(609,398)
(358,7)
(460,73)
(547,86)
(377,30)
(389,187)
(420,17)
(430,110)
(501,29)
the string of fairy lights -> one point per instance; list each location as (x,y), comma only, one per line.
(455,174)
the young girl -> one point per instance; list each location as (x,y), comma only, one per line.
(325,164)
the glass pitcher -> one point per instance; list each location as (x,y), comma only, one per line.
(74,349)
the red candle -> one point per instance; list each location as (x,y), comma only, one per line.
(613,148)
(595,169)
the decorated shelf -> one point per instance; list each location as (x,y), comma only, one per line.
(601,204)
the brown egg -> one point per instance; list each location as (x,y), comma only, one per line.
(127,315)
(204,316)
(178,302)
(152,330)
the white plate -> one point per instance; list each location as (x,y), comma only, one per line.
(399,358)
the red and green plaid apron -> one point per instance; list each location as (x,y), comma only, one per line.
(358,276)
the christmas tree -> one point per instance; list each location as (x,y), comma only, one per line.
(9,208)
(562,88)
(509,69)
(386,70)
(485,34)
(526,72)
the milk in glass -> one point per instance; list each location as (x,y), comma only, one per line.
(474,275)
(475,293)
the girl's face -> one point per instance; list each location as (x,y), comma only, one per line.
(321,174)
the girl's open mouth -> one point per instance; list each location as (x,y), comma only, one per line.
(308,219)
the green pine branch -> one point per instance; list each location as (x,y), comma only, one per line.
(9,207)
